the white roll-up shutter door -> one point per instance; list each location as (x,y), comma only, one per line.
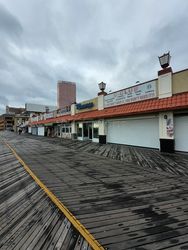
(142,132)
(41,131)
(181,133)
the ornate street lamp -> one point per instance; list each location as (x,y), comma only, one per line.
(165,60)
(102,86)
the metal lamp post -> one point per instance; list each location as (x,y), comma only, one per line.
(165,60)
(102,86)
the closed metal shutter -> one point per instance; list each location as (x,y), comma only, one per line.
(137,132)
(41,131)
(181,133)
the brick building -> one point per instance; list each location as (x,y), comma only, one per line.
(66,94)
(7,121)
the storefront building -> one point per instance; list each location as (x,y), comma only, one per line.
(153,114)
(86,130)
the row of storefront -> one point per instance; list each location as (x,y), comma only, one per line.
(153,114)
(52,130)
(140,131)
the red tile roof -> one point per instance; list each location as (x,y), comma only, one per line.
(176,102)
(59,119)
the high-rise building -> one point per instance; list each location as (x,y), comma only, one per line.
(66,93)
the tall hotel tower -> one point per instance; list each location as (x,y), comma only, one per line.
(66,93)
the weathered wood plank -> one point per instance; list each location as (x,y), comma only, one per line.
(123,201)
(28,219)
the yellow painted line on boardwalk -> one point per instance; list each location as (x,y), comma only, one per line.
(82,230)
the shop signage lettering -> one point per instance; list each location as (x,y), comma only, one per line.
(64,111)
(34,119)
(133,94)
(49,115)
(84,105)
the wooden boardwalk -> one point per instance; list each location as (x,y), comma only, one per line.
(28,219)
(138,203)
(176,163)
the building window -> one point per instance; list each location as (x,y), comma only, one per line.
(59,131)
(95,132)
(67,129)
(85,128)
(79,130)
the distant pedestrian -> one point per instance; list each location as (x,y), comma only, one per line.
(19,131)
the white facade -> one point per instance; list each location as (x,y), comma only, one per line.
(138,131)
(181,133)
(165,85)
(41,131)
(100,102)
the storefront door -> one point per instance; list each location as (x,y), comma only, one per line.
(181,135)
(87,131)
(90,131)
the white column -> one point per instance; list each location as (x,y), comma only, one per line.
(100,102)
(102,129)
(166,132)
(164,84)
(166,125)
(73,127)
(73,109)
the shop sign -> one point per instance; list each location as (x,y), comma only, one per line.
(133,94)
(34,119)
(41,117)
(87,105)
(48,115)
(64,111)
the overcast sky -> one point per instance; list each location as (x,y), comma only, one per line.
(85,41)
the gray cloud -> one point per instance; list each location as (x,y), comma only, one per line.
(142,63)
(86,42)
(9,24)
(3,102)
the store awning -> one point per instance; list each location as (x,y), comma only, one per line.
(48,124)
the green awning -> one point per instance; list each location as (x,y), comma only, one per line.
(48,124)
